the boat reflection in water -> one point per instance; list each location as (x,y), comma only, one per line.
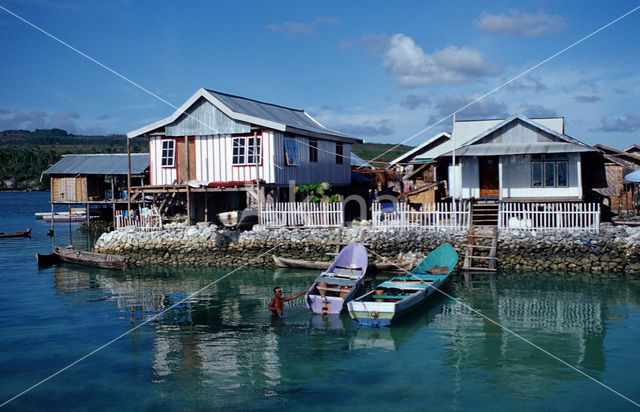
(225,340)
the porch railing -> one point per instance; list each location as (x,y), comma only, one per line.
(302,214)
(430,216)
(146,219)
(549,216)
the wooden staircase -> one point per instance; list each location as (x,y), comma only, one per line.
(481,248)
(484,212)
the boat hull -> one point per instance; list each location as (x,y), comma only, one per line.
(384,313)
(299,264)
(24,233)
(330,305)
(91,259)
(311,264)
(397,296)
(340,282)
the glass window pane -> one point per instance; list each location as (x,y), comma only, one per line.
(562,174)
(549,174)
(291,152)
(536,174)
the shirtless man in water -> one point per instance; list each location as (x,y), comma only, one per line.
(276,305)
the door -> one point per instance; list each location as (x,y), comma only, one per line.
(181,157)
(489,185)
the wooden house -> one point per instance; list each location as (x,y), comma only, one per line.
(604,179)
(516,159)
(95,178)
(217,148)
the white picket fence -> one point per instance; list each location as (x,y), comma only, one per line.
(302,214)
(431,216)
(549,216)
(146,220)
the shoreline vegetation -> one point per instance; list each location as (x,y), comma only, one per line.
(24,154)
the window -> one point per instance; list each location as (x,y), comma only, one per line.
(549,170)
(313,150)
(168,153)
(338,153)
(291,152)
(238,150)
(246,150)
(254,150)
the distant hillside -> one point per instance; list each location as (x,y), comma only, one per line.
(368,151)
(24,155)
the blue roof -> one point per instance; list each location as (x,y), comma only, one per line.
(99,164)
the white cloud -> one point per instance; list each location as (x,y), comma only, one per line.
(527,84)
(380,128)
(292,29)
(412,101)
(56,120)
(411,66)
(487,108)
(582,98)
(628,123)
(519,24)
(537,110)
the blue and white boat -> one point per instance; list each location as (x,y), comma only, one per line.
(396,296)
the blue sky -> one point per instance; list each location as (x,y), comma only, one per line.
(382,71)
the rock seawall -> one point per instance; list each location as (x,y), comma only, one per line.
(614,249)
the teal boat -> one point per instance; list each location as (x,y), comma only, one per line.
(396,296)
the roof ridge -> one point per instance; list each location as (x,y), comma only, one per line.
(254,100)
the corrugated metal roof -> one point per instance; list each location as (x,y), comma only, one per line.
(358,161)
(99,164)
(250,111)
(495,149)
(295,118)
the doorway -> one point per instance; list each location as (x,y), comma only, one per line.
(489,183)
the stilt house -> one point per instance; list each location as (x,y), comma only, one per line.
(216,149)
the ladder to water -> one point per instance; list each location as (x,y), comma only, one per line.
(481,249)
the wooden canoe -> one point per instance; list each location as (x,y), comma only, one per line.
(386,266)
(396,296)
(24,233)
(47,260)
(80,257)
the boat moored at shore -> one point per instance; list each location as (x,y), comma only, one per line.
(398,295)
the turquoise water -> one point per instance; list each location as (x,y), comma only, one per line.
(221,349)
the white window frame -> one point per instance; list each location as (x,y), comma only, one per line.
(243,148)
(167,153)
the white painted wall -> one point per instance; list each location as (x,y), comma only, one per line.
(159,175)
(516,179)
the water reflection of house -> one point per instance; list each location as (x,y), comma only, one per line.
(569,320)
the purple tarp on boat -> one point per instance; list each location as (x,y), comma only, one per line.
(338,284)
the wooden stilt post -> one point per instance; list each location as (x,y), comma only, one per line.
(206,205)
(113,201)
(52,219)
(186,149)
(128,176)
